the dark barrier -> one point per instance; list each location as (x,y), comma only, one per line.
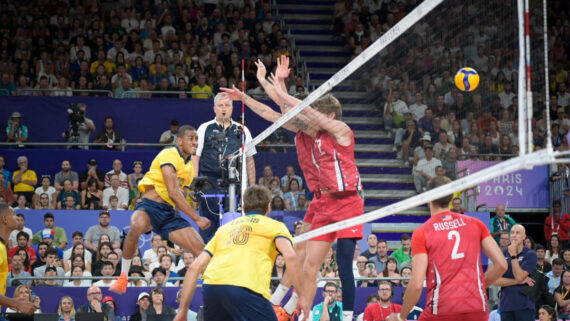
(126,303)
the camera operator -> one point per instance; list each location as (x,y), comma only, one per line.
(80,127)
(217,139)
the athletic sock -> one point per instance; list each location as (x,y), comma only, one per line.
(292,303)
(126,265)
(279,294)
(347,315)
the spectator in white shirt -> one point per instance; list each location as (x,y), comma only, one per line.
(563,95)
(13,239)
(425,169)
(129,22)
(418,108)
(506,96)
(80,40)
(121,192)
(394,109)
(117,170)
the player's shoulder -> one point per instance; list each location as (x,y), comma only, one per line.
(205,125)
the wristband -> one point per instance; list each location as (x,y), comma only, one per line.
(514,257)
(399,317)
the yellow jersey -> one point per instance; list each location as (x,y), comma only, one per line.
(243,252)
(168,157)
(28,175)
(3,267)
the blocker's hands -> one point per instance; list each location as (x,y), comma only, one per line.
(233,93)
(261,71)
(282,70)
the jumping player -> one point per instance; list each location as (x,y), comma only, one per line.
(447,248)
(237,265)
(163,187)
(325,147)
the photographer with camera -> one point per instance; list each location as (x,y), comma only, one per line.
(217,139)
(80,127)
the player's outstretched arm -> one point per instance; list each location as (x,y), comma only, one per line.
(171,182)
(499,266)
(189,286)
(294,266)
(282,72)
(24,307)
(415,287)
(319,121)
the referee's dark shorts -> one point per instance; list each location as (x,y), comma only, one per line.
(230,302)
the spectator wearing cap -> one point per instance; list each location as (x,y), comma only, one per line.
(143,302)
(50,271)
(92,173)
(136,272)
(425,169)
(104,227)
(169,136)
(24,179)
(51,257)
(108,300)
(59,235)
(16,132)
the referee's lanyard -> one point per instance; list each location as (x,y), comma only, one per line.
(557,224)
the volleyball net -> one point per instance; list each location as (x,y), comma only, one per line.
(398,93)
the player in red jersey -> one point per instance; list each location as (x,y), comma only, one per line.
(325,148)
(447,249)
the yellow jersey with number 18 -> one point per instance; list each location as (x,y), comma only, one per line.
(243,252)
(168,157)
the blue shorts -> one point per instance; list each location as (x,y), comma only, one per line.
(163,217)
(230,302)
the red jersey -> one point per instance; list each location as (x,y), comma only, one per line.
(375,312)
(558,226)
(455,278)
(306,158)
(31,253)
(337,169)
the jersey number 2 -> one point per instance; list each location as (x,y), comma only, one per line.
(457,236)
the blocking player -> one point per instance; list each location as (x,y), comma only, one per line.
(237,265)
(447,249)
(163,187)
(323,138)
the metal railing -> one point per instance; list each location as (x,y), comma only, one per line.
(124,144)
(109,92)
(174,92)
(72,278)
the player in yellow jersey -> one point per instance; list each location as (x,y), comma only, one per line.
(237,264)
(8,223)
(163,186)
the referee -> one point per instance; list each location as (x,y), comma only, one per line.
(217,139)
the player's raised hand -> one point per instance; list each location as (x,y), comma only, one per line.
(203,223)
(233,93)
(275,82)
(261,71)
(26,307)
(282,70)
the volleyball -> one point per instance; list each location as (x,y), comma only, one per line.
(467,79)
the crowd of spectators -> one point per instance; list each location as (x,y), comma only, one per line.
(57,48)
